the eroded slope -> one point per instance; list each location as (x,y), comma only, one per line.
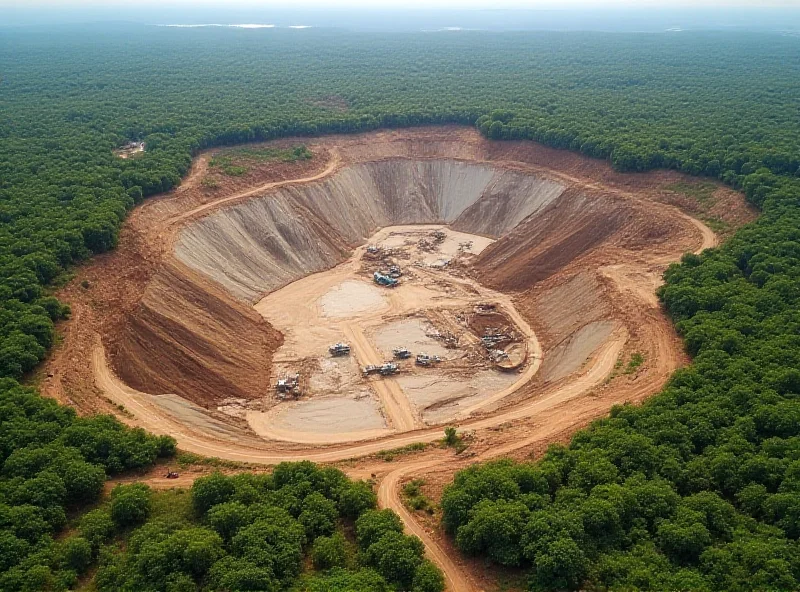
(265,243)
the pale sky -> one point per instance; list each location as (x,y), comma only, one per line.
(410,4)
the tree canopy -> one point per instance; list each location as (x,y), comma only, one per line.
(254,532)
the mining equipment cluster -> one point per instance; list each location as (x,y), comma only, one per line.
(491,340)
(426,360)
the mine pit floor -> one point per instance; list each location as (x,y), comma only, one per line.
(427,312)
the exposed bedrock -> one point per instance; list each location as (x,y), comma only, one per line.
(268,242)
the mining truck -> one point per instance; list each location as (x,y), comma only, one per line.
(401,353)
(426,360)
(384,280)
(389,368)
(339,349)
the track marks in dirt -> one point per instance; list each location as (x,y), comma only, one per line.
(398,408)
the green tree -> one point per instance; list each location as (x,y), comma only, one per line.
(210,491)
(130,504)
(329,551)
(373,524)
(428,578)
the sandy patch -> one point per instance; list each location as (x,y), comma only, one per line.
(330,415)
(411,333)
(351,298)
(441,398)
(569,355)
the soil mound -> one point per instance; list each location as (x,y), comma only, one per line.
(187,338)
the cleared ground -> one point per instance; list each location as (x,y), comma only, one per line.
(421,314)
(168,338)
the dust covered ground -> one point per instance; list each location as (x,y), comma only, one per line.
(183,329)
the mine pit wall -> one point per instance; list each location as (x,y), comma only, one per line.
(549,241)
(188,338)
(550,262)
(196,335)
(261,245)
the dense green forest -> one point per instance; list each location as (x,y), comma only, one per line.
(697,490)
(54,465)
(255,532)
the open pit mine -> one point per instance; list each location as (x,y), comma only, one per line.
(396,283)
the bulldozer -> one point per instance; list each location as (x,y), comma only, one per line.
(339,349)
(401,353)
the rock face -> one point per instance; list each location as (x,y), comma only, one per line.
(265,243)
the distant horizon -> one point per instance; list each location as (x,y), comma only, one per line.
(610,18)
(457,5)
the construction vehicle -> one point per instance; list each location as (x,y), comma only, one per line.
(394,271)
(389,368)
(384,369)
(290,385)
(498,355)
(339,349)
(401,353)
(384,280)
(426,360)
(172,475)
